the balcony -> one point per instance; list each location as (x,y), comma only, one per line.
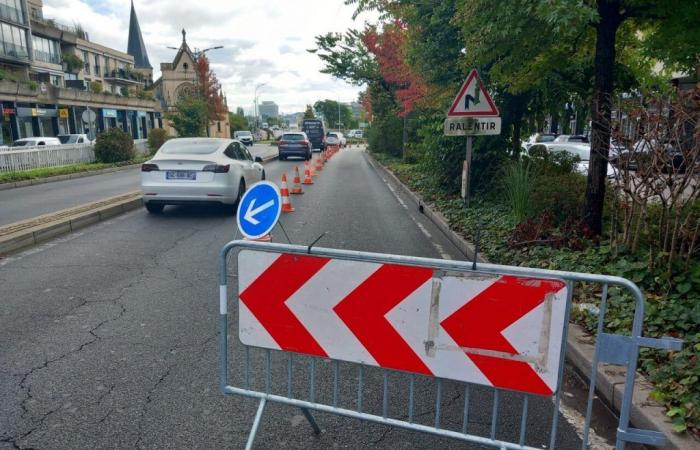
(46,57)
(29,92)
(12,14)
(123,77)
(14,52)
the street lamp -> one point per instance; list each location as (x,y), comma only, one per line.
(255,101)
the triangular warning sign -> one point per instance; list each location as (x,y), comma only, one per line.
(473,99)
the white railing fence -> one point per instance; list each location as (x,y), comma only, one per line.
(54,155)
(45,156)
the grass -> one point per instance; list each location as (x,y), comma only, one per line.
(11,177)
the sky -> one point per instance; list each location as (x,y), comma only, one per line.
(264,41)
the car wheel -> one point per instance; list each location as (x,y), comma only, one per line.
(154,208)
(241,191)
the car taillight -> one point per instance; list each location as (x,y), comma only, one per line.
(283,142)
(149,167)
(216,168)
(304,142)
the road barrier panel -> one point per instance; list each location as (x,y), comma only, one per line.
(492,330)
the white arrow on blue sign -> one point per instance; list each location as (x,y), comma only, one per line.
(259,210)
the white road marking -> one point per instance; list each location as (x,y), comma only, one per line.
(577,420)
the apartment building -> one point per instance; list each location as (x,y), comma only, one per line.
(50,74)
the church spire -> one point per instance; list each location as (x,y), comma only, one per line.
(136,46)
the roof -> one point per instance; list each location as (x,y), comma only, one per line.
(136,46)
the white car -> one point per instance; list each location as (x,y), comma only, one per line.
(583,151)
(35,141)
(74,139)
(336,138)
(198,170)
(355,134)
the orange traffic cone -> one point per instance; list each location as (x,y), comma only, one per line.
(312,169)
(319,164)
(307,174)
(284,192)
(296,189)
(266,238)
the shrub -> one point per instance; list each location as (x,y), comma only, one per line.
(517,186)
(560,193)
(96,87)
(386,135)
(156,138)
(114,145)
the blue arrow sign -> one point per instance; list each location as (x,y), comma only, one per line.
(259,210)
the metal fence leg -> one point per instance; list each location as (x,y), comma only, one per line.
(256,424)
(311,420)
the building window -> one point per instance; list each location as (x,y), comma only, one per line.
(56,80)
(12,10)
(218,127)
(46,50)
(13,41)
(97,66)
(86,59)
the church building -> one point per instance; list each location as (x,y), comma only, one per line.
(179,79)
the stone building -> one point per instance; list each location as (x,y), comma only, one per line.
(179,79)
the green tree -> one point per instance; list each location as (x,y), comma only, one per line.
(190,117)
(309,113)
(335,113)
(272,121)
(237,122)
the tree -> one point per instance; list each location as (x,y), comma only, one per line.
(237,121)
(190,118)
(309,113)
(209,89)
(335,113)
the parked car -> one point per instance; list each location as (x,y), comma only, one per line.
(294,144)
(583,151)
(188,171)
(571,138)
(316,132)
(74,139)
(537,138)
(244,136)
(34,141)
(336,138)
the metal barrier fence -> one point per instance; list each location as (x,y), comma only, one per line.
(269,375)
(45,156)
(54,155)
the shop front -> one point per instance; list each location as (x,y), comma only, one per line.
(47,119)
(9,123)
(25,121)
(110,118)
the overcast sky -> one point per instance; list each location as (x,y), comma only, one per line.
(264,41)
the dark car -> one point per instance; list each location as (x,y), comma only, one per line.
(316,132)
(294,144)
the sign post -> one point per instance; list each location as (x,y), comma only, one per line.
(473,113)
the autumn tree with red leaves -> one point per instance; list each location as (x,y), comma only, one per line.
(389,49)
(209,89)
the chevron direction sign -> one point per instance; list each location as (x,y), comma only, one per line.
(495,330)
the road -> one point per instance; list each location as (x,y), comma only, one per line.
(109,335)
(31,201)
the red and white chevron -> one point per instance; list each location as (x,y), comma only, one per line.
(500,331)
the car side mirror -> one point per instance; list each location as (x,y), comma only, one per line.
(258,159)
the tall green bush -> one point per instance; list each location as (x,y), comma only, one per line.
(114,145)
(517,186)
(156,138)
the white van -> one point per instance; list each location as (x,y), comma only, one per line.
(34,141)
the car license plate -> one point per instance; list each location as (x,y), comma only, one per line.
(180,175)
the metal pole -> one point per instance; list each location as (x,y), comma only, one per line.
(466,169)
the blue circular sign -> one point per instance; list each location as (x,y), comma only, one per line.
(259,210)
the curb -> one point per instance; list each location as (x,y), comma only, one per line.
(20,235)
(645,413)
(68,176)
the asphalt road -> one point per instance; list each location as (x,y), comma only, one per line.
(108,336)
(31,201)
